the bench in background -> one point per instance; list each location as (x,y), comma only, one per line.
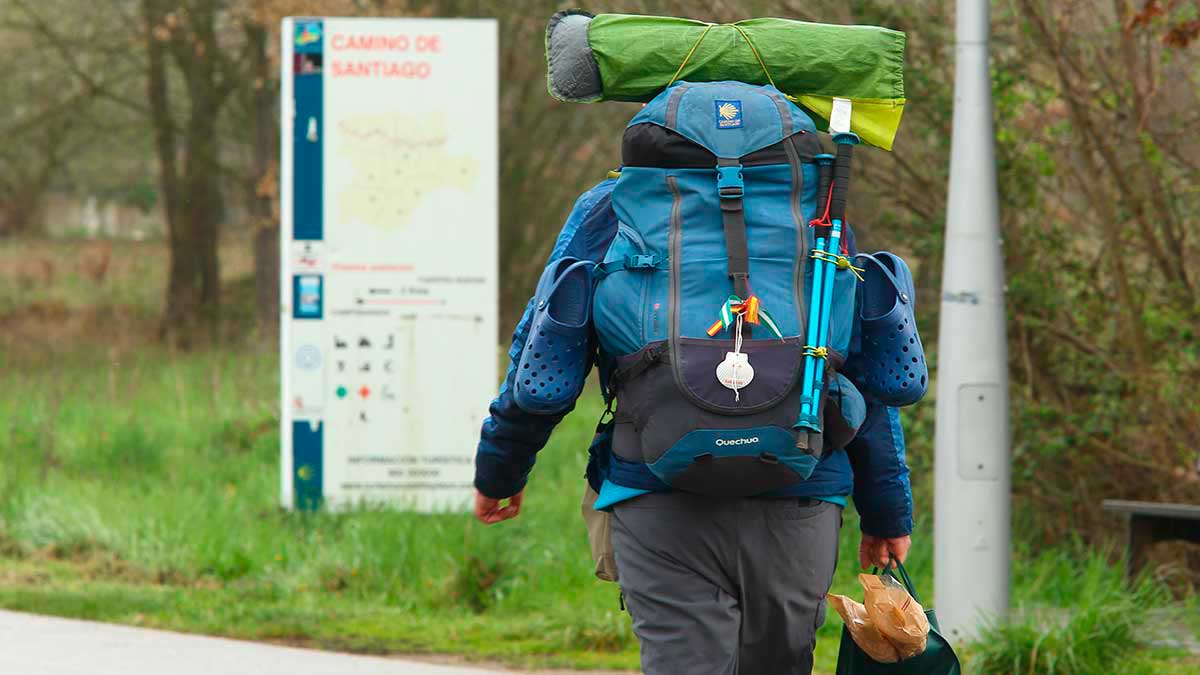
(1151,522)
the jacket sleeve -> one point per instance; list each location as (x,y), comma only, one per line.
(511,438)
(882,493)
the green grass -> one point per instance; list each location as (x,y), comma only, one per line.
(1075,613)
(144,491)
(147,491)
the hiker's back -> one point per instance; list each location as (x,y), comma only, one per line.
(718,186)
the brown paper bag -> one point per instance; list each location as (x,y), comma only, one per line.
(866,635)
(895,613)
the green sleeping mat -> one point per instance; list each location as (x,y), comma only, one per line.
(628,57)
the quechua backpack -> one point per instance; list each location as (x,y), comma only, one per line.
(703,296)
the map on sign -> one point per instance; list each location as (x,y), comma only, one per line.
(389,259)
(398,158)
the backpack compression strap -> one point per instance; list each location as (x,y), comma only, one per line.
(731,187)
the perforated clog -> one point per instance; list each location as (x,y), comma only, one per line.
(551,370)
(891,364)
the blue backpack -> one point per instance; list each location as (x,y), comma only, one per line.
(702,297)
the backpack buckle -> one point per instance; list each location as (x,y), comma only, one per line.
(641,262)
(729,182)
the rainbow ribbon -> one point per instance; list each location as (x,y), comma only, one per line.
(749,309)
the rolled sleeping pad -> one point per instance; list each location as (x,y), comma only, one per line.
(629,57)
(890,366)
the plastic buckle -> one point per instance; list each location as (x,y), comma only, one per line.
(641,262)
(729,182)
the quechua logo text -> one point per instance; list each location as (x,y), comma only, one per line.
(738,441)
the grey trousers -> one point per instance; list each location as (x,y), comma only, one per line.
(725,586)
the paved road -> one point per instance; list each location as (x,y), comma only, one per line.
(37,645)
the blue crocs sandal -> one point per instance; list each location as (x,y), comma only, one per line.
(550,373)
(891,367)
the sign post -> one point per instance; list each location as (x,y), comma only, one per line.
(388,198)
(972,503)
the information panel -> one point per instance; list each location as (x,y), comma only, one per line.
(388,201)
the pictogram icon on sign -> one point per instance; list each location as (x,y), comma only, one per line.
(308,357)
(365,391)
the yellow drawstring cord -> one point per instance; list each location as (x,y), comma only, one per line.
(749,43)
(689,54)
(761,63)
(841,261)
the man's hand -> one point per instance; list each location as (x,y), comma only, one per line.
(878,551)
(489,511)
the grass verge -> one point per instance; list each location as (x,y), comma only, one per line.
(143,491)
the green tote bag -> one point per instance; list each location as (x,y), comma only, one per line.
(937,659)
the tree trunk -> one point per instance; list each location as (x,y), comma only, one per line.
(193,202)
(180,296)
(198,58)
(22,198)
(266,150)
(21,211)
(203,207)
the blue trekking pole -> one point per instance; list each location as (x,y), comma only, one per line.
(808,419)
(837,215)
(828,240)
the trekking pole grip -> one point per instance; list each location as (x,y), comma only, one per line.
(824,178)
(841,174)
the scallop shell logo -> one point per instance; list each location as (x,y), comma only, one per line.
(305,472)
(727,111)
(309,33)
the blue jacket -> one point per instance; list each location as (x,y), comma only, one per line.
(872,467)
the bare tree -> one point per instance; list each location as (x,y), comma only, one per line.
(48,119)
(185,33)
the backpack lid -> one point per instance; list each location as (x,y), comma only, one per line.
(730,119)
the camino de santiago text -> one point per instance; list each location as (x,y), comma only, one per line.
(376,56)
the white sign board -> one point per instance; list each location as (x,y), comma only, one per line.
(389,253)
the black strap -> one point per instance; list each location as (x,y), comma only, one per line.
(737,252)
(650,356)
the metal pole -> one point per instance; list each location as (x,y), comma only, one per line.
(972,503)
